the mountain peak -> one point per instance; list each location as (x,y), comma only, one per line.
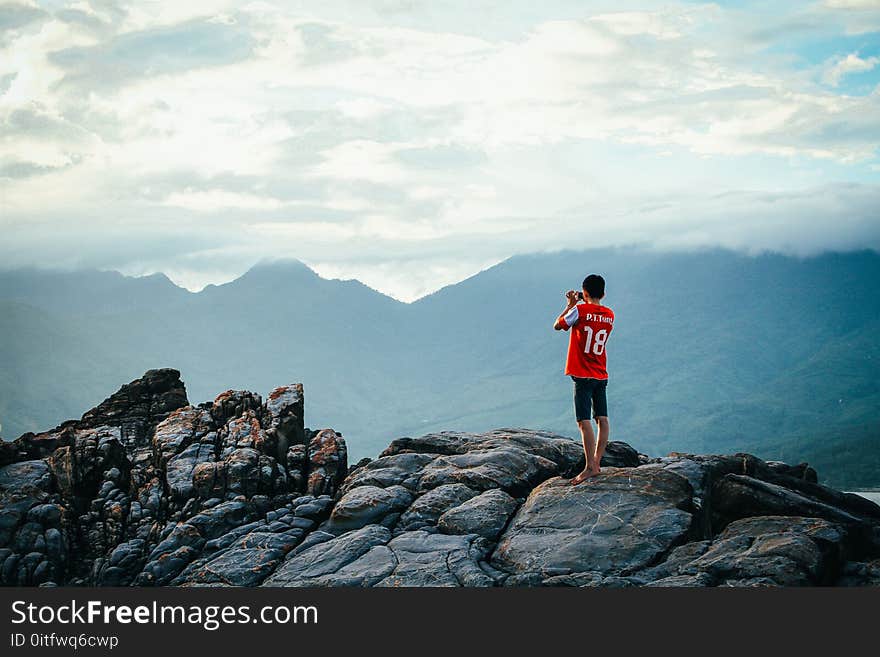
(274,273)
(284,267)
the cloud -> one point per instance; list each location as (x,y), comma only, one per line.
(6,82)
(408,145)
(855,16)
(322,43)
(15,15)
(214,200)
(661,25)
(24,169)
(163,50)
(852,4)
(441,156)
(832,217)
(36,121)
(838,67)
(411,258)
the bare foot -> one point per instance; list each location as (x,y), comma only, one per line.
(585,474)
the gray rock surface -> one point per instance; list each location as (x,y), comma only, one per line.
(148,490)
(487,515)
(621,521)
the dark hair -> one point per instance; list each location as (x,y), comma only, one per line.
(594,285)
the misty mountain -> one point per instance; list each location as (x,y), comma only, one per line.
(711,352)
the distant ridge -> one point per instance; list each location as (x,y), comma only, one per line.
(786,346)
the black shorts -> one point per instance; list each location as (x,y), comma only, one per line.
(589,392)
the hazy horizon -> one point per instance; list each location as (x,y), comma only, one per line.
(265,262)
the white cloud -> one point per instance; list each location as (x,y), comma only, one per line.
(838,67)
(214,200)
(361,160)
(662,25)
(370,145)
(362,108)
(852,4)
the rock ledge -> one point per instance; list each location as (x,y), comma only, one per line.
(149,490)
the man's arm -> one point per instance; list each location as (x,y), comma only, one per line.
(569,316)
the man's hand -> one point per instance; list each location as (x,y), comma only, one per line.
(572,298)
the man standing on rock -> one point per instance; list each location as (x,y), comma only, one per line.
(590,323)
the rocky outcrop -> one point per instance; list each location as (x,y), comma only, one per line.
(148,490)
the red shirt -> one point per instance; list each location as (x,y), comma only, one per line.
(590,326)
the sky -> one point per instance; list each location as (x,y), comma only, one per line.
(410,144)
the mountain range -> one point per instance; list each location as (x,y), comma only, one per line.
(713,351)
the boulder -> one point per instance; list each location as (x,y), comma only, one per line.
(787,559)
(506,467)
(367,505)
(425,511)
(323,564)
(859,573)
(622,520)
(328,462)
(180,470)
(766,550)
(284,418)
(34,530)
(486,515)
(565,453)
(620,455)
(137,407)
(233,404)
(178,431)
(403,469)
(741,496)
(424,559)
(247,562)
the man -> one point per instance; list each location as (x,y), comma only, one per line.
(590,323)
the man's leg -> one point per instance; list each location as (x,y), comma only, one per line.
(582,394)
(602,442)
(589,440)
(600,414)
